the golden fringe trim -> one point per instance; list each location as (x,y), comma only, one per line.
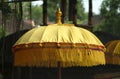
(49,57)
(112,59)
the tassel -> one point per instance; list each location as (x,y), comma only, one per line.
(49,57)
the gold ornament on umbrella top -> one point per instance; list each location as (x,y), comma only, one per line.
(59,14)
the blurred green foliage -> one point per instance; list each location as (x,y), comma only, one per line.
(51,11)
(36,12)
(5,8)
(110,14)
(2,32)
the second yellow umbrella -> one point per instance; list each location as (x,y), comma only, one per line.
(113,52)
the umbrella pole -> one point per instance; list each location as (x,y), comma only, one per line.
(59,70)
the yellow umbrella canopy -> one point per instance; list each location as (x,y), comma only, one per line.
(113,52)
(47,45)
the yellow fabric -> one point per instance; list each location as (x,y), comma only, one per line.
(112,59)
(49,57)
(113,52)
(59,33)
(47,45)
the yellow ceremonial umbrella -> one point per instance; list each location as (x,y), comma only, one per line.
(58,44)
(113,52)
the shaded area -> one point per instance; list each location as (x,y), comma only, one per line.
(6,44)
(6,56)
(105,37)
(67,73)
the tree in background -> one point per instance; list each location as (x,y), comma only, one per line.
(51,8)
(2,32)
(5,11)
(53,4)
(36,12)
(81,15)
(110,13)
(5,8)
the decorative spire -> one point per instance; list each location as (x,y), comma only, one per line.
(58,15)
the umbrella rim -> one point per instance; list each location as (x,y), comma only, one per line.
(58,45)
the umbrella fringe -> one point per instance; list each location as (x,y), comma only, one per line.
(112,59)
(49,57)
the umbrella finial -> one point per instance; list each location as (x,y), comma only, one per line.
(58,15)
